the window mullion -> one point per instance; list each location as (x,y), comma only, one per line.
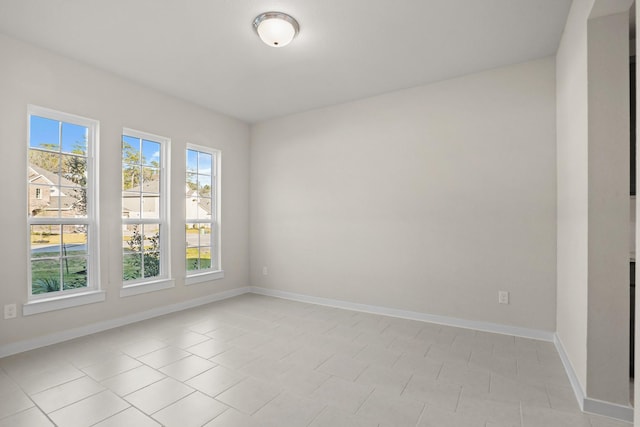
(56,220)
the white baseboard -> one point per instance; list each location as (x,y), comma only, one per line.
(608,409)
(20,346)
(593,406)
(568,367)
(411,315)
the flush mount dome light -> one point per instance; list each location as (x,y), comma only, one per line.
(276,29)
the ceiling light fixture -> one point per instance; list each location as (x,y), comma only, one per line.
(276,29)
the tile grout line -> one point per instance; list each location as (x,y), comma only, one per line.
(113,415)
(35,405)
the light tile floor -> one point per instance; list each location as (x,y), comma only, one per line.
(260,361)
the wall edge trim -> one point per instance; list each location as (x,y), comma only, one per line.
(411,315)
(571,373)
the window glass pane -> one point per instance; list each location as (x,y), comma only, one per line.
(151,206)
(193,241)
(132,252)
(74,170)
(192,161)
(131,176)
(205,234)
(205,257)
(204,208)
(204,185)
(53,209)
(74,240)
(204,163)
(45,241)
(131,237)
(74,139)
(45,276)
(130,150)
(141,256)
(44,166)
(39,199)
(150,153)
(151,180)
(151,237)
(44,133)
(193,235)
(74,272)
(72,202)
(131,266)
(198,254)
(192,182)
(193,258)
(131,204)
(191,207)
(151,259)
(44,174)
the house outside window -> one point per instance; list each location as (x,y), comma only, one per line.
(145,215)
(202,212)
(62,206)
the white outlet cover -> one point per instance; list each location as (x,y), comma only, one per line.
(503,297)
(10,311)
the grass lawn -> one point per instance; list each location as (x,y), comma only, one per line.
(37,238)
(192,260)
(45,274)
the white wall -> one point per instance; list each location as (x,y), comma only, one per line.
(429,199)
(572,148)
(593,202)
(32,76)
(608,300)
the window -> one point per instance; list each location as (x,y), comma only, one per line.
(145,226)
(62,206)
(202,214)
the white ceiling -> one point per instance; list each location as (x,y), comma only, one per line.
(206,51)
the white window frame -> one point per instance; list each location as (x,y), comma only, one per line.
(41,303)
(199,276)
(163,280)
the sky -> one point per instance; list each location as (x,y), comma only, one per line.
(150,149)
(199,162)
(43,131)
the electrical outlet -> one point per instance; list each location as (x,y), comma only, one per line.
(265,271)
(10,311)
(503,297)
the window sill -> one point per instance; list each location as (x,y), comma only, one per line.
(61,302)
(204,277)
(143,288)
